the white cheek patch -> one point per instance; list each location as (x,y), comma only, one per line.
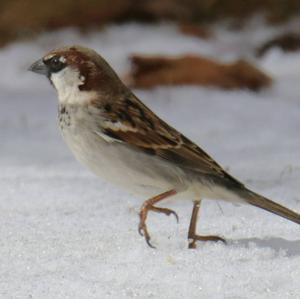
(67,82)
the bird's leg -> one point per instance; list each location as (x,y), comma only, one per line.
(192,236)
(148,205)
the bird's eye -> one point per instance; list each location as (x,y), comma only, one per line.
(55,64)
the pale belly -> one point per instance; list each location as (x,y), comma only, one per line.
(135,171)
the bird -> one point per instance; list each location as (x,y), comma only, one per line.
(121,140)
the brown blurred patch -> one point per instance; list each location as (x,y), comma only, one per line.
(24,18)
(195,30)
(148,72)
(19,18)
(287,42)
(213,10)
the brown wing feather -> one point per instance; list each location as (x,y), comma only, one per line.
(143,129)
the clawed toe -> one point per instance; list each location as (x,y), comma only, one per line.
(144,232)
(195,238)
(165,211)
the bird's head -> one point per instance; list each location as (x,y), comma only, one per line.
(77,72)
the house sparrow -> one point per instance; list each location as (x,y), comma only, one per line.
(120,139)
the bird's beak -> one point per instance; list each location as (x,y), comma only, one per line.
(39,67)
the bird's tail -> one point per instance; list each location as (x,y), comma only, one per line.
(269,205)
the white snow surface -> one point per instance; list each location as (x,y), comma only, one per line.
(65,233)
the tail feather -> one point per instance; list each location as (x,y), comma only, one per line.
(269,205)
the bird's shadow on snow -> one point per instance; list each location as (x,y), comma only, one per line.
(291,248)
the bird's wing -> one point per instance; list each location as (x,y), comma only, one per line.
(130,121)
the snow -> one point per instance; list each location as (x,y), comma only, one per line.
(67,234)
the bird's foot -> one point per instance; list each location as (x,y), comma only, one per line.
(143,216)
(194,238)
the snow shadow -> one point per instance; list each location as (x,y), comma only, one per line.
(292,248)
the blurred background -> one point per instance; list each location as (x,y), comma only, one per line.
(23,18)
(224,73)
